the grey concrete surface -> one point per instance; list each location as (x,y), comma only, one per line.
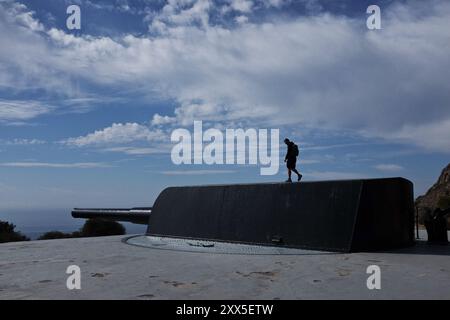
(112,269)
(208,246)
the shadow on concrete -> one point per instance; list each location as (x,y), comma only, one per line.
(423,248)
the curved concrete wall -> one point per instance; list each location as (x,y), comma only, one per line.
(329,215)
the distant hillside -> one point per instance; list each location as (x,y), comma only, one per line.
(437,196)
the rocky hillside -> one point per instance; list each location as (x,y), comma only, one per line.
(437,196)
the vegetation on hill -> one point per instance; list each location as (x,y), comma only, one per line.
(55,235)
(8,233)
(101,227)
(91,228)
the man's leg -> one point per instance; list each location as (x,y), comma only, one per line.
(289,175)
(298,174)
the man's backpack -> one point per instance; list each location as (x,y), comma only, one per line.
(295,149)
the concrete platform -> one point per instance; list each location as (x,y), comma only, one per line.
(112,269)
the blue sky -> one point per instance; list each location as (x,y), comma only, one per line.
(86,115)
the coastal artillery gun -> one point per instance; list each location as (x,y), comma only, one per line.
(341,215)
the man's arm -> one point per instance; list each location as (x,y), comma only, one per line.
(288,153)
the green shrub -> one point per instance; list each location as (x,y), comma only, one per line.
(55,235)
(91,228)
(8,233)
(77,234)
(101,227)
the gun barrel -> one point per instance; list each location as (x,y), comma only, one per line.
(133,215)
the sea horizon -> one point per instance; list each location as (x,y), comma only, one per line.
(35,222)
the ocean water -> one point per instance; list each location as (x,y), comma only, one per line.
(35,222)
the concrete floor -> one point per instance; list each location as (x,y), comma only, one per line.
(111,269)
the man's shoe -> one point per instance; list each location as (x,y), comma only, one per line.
(288,180)
(300,177)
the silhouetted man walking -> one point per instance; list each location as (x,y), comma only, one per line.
(291,159)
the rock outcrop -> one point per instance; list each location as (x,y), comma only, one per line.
(437,196)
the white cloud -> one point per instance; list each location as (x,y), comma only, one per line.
(26,59)
(179,13)
(161,120)
(22,142)
(241,19)
(20,14)
(429,136)
(137,150)
(322,71)
(77,165)
(242,5)
(12,110)
(389,167)
(279,3)
(116,134)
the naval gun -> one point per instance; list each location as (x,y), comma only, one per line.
(133,215)
(336,215)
